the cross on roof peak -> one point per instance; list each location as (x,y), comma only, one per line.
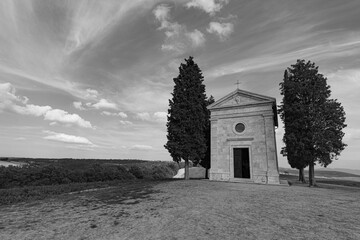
(237,84)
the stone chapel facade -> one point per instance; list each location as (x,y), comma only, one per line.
(243,145)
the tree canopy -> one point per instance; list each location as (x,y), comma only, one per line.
(313,122)
(187,116)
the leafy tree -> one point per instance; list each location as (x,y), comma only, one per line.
(313,122)
(206,161)
(187,116)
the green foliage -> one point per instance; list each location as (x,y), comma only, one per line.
(187,115)
(313,122)
(205,162)
(71,163)
(54,175)
(156,170)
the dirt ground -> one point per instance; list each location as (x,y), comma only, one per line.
(196,209)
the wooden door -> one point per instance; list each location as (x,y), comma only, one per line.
(241,163)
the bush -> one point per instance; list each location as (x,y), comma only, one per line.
(41,175)
(137,171)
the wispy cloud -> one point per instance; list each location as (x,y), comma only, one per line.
(266,62)
(60,83)
(178,39)
(141,147)
(197,38)
(155,117)
(104,104)
(209,6)
(222,30)
(78,105)
(160,116)
(41,41)
(92,20)
(99,105)
(62,116)
(62,137)
(11,102)
(124,122)
(119,114)
(91,93)
(145,116)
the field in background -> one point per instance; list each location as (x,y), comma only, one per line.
(69,163)
(324,172)
(328,176)
(40,178)
(293,180)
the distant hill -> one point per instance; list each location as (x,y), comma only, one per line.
(70,163)
(345,170)
(326,172)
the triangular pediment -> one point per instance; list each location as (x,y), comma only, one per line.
(241,98)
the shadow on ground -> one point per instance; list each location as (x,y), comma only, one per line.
(128,193)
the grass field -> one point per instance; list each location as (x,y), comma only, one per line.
(328,173)
(293,180)
(43,178)
(195,209)
(178,209)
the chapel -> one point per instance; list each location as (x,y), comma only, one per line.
(243,144)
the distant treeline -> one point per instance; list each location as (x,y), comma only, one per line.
(41,172)
(70,162)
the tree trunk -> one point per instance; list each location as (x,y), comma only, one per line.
(301,175)
(311,175)
(186,175)
(206,173)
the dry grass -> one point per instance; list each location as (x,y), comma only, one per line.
(354,182)
(196,209)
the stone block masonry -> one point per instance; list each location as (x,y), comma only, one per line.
(254,138)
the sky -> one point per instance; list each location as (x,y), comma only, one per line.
(93,79)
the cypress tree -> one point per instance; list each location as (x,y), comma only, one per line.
(187,115)
(313,122)
(205,162)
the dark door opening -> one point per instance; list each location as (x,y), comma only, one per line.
(241,163)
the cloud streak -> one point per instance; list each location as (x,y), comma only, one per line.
(65,138)
(178,39)
(155,117)
(265,62)
(93,20)
(104,104)
(222,30)
(42,41)
(208,6)
(11,102)
(124,122)
(141,147)
(119,114)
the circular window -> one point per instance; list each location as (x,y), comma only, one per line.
(240,127)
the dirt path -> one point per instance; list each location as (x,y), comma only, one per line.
(196,209)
